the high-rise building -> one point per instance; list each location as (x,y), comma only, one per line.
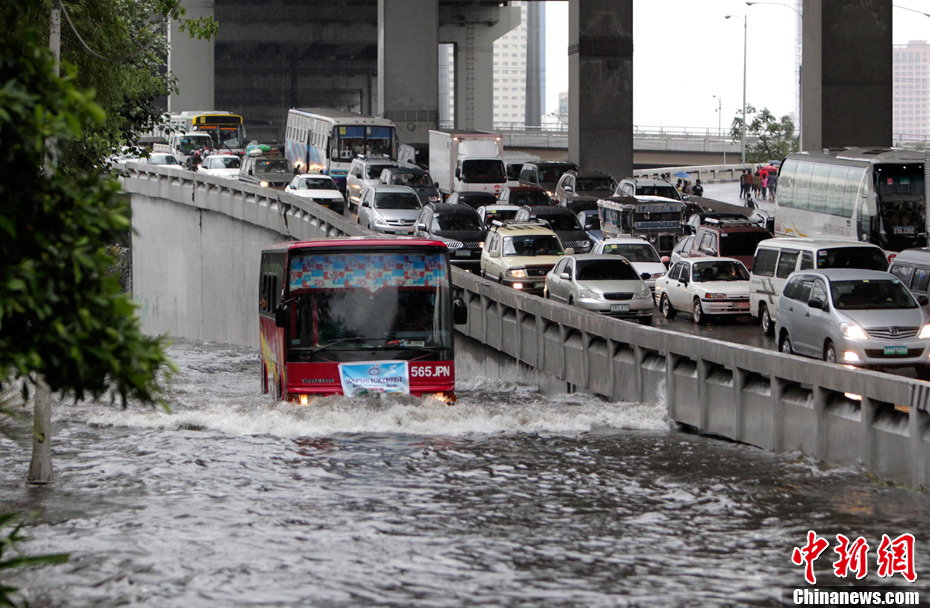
(911,85)
(519,72)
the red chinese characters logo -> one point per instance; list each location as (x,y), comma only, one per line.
(893,556)
(808,554)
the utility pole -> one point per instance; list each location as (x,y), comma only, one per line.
(40,469)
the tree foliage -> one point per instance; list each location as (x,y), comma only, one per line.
(62,313)
(767,138)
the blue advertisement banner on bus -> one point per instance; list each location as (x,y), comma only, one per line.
(374,377)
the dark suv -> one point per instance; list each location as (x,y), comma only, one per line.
(545,174)
(561,221)
(458,226)
(575,185)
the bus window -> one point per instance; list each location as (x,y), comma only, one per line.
(786,183)
(820,176)
(836,192)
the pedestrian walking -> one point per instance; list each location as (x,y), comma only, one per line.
(756,184)
(698,189)
(773,184)
(744,184)
(765,185)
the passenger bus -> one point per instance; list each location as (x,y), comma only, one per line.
(659,220)
(871,195)
(224,128)
(325,141)
(357,315)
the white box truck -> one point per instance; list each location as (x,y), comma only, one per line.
(467,160)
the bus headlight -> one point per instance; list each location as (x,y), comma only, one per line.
(517,273)
(854,332)
(924,332)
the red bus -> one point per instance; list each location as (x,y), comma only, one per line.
(357,315)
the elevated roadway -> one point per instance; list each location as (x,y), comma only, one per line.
(195,255)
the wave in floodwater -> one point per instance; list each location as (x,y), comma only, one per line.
(217,388)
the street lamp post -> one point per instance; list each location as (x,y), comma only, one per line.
(800,67)
(742,143)
(720,126)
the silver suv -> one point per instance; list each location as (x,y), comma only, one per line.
(854,317)
(389,209)
(364,171)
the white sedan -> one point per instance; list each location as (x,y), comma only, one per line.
(319,188)
(221,165)
(639,252)
(704,286)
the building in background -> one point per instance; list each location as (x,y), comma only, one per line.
(911,85)
(519,72)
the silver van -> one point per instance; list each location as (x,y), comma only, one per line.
(854,317)
(912,267)
(777,258)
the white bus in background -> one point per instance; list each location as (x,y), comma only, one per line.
(319,140)
(864,194)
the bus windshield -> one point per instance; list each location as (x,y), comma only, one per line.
(352,141)
(334,295)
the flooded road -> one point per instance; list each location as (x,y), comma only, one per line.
(509,498)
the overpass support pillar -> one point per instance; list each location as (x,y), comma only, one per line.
(191,60)
(846,74)
(408,66)
(600,85)
(474,40)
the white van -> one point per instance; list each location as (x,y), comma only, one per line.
(776,258)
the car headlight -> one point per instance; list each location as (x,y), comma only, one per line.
(644,293)
(657,275)
(715,296)
(585,244)
(454,244)
(924,332)
(854,332)
(263,184)
(517,273)
(435,199)
(588,294)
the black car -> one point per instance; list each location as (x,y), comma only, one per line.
(472,198)
(562,221)
(458,226)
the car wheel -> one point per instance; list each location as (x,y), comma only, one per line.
(784,345)
(922,371)
(829,352)
(500,279)
(666,307)
(697,313)
(765,320)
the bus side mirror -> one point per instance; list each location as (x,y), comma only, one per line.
(459,312)
(280,315)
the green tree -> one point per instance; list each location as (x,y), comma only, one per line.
(767,138)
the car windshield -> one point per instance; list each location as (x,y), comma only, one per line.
(163,159)
(479,199)
(537,244)
(316,183)
(869,294)
(719,271)
(742,243)
(633,252)
(483,171)
(867,258)
(397,200)
(457,221)
(501,215)
(374,171)
(271,166)
(552,173)
(416,180)
(563,222)
(228,162)
(604,270)
(535,197)
(668,191)
(594,183)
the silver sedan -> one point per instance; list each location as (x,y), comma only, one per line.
(607,284)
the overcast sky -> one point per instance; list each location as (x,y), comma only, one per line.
(686,52)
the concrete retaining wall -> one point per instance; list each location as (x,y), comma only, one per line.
(195,271)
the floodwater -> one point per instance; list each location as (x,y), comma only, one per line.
(509,498)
